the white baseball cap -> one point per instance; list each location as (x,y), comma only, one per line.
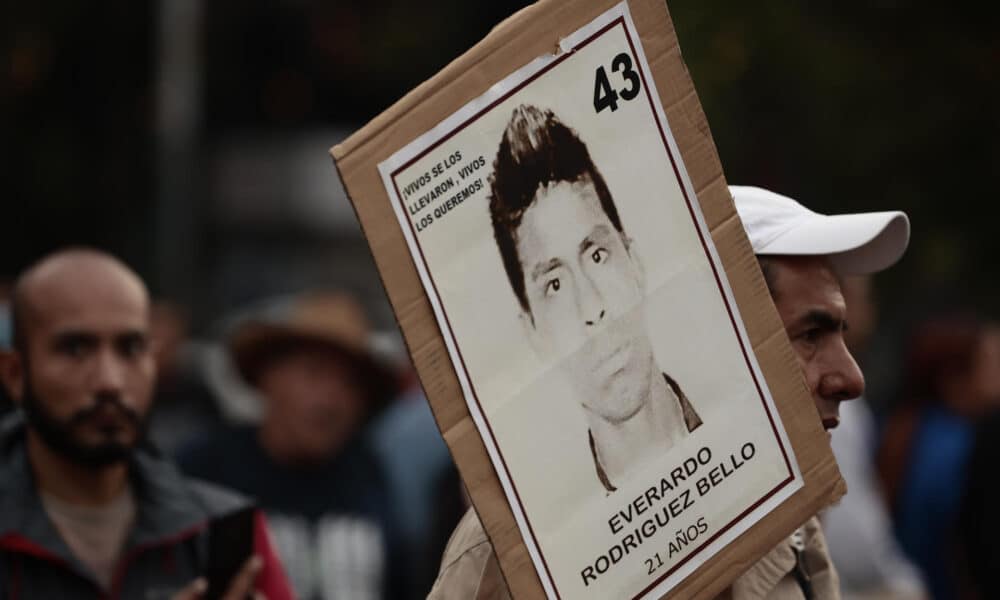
(856,244)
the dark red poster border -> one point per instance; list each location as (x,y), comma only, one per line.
(620,21)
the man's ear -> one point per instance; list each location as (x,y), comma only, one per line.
(531,333)
(12,373)
(636,258)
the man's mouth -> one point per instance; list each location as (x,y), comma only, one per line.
(830,423)
(109,424)
(108,417)
(613,361)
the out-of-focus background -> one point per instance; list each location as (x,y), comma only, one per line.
(190,138)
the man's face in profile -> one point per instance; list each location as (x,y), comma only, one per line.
(585,291)
(808,296)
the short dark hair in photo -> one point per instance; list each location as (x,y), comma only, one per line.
(536,150)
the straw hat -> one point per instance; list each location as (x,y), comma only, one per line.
(330,321)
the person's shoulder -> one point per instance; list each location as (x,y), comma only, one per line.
(15,476)
(161,480)
(466,554)
(171,503)
(469,567)
(12,430)
(215,499)
(773,575)
(468,534)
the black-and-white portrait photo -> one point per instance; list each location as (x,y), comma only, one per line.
(581,291)
(588,320)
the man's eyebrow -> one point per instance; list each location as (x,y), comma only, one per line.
(74,335)
(599,231)
(823,319)
(543,268)
(132,334)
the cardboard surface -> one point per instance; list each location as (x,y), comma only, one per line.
(534,32)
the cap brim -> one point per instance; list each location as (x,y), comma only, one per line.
(856,244)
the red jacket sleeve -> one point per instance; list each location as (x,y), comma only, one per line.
(271,581)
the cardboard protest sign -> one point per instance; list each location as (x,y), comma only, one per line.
(584,311)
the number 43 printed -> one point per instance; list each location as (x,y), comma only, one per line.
(604,95)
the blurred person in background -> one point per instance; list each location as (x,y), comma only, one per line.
(426,493)
(951,379)
(308,462)
(87,509)
(184,407)
(858,529)
(979,517)
(802,255)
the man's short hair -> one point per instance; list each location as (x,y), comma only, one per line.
(536,150)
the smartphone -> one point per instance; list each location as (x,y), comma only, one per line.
(230,545)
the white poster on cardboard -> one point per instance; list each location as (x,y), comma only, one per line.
(590,322)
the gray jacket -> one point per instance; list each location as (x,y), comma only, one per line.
(166,549)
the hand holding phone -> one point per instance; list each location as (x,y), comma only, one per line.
(232,567)
(230,546)
(241,586)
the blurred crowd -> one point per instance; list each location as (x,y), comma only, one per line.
(917,520)
(296,402)
(299,405)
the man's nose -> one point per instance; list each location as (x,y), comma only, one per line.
(843,379)
(109,372)
(591,303)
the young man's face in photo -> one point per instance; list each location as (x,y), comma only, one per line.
(585,291)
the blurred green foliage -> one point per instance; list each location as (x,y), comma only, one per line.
(864,106)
